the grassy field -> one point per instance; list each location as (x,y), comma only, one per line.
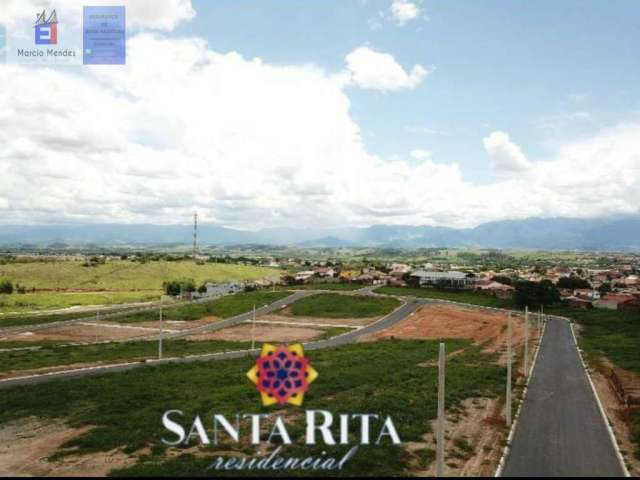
(392,377)
(52,301)
(50,356)
(123,275)
(224,307)
(463,296)
(331,305)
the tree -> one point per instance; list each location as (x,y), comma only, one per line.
(533,295)
(6,287)
(604,288)
(410,280)
(502,279)
(573,283)
(176,287)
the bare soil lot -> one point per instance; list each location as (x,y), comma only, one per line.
(100,331)
(485,328)
(263,333)
(26,446)
(617,413)
(474,433)
(286,316)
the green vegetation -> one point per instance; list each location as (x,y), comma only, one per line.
(178,287)
(123,275)
(4,345)
(615,335)
(463,296)
(6,287)
(330,332)
(332,305)
(223,307)
(535,294)
(50,356)
(20,304)
(392,377)
(611,333)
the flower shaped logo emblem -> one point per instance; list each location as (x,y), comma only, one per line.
(282,374)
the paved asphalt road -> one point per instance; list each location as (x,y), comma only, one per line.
(560,431)
(391,319)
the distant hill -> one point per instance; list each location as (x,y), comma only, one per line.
(534,233)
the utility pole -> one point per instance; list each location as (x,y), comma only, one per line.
(195,235)
(526,342)
(540,321)
(508,402)
(161,330)
(253,329)
(441,418)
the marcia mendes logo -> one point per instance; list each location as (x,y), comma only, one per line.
(46,29)
(282,374)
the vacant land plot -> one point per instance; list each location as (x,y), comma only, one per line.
(22,303)
(79,333)
(223,307)
(123,275)
(285,316)
(484,328)
(272,333)
(119,415)
(19,362)
(332,305)
(462,296)
(37,318)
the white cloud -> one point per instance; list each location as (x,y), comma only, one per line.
(252,145)
(505,156)
(152,14)
(420,154)
(403,11)
(374,70)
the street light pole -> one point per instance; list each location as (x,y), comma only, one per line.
(441,418)
(253,329)
(161,329)
(526,342)
(508,402)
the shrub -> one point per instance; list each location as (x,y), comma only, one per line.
(6,287)
(176,287)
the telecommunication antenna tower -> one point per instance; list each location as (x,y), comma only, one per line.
(195,234)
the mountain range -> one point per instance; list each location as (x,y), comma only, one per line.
(534,233)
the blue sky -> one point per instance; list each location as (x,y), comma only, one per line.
(267,113)
(500,64)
